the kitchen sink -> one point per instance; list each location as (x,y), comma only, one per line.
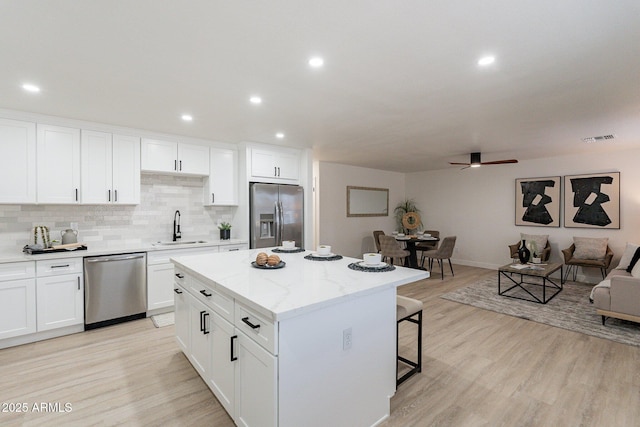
(186,242)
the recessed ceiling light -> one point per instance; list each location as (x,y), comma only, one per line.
(255,100)
(486,60)
(30,88)
(187,117)
(279,135)
(316,62)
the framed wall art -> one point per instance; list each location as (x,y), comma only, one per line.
(538,201)
(592,200)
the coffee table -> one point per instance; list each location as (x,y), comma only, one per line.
(530,271)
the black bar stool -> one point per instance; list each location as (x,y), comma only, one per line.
(410,310)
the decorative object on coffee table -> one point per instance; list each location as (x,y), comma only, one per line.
(524,253)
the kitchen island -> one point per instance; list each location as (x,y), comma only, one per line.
(313,343)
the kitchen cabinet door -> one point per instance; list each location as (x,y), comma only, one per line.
(17,308)
(221,188)
(222,380)
(279,165)
(96,167)
(182,317)
(200,349)
(193,159)
(256,384)
(159,156)
(60,301)
(126,169)
(18,171)
(58,154)
(160,285)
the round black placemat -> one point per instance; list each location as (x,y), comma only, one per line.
(310,257)
(284,251)
(356,267)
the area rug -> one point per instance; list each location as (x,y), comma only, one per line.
(570,309)
(160,320)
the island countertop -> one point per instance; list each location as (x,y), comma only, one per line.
(301,286)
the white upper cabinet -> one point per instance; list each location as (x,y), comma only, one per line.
(221,189)
(275,164)
(58,154)
(110,168)
(174,157)
(18,172)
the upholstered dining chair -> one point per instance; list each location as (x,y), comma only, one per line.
(445,251)
(376,238)
(390,249)
(428,245)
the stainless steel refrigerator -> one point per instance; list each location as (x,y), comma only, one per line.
(276,213)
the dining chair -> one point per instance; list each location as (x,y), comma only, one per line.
(427,245)
(445,251)
(389,248)
(376,238)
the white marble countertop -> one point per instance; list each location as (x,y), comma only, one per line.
(17,255)
(302,285)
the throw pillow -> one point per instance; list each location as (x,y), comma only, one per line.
(590,247)
(629,251)
(540,239)
(634,261)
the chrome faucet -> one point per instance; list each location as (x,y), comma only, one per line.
(176,226)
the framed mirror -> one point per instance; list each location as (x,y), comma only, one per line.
(367,201)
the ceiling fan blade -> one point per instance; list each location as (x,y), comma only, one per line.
(462,164)
(500,162)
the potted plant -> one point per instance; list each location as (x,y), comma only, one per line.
(401,209)
(225,230)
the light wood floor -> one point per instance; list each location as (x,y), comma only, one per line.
(479,369)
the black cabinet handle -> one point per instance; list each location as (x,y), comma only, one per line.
(205,293)
(175,165)
(233,356)
(278,170)
(180,164)
(108,195)
(60,266)
(205,330)
(246,320)
(275,171)
(202,321)
(76,194)
(177,291)
(78,282)
(115,192)
(180,276)
(213,198)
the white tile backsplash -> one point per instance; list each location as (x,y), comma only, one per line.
(104,226)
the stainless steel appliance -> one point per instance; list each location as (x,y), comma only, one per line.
(276,214)
(115,289)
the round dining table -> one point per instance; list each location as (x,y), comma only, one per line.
(410,241)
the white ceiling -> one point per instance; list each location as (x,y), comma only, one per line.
(400,89)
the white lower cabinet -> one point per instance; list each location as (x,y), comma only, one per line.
(60,301)
(160,286)
(239,371)
(17,308)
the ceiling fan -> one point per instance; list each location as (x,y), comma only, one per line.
(475,162)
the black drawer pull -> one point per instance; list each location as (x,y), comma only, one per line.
(202,321)
(246,320)
(205,293)
(233,356)
(180,276)
(177,291)
(60,266)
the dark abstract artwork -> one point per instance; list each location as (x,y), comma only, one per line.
(538,201)
(593,200)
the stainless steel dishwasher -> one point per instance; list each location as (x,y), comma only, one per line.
(115,289)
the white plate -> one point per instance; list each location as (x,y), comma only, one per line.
(378,265)
(316,254)
(282,248)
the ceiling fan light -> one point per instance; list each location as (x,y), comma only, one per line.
(475,160)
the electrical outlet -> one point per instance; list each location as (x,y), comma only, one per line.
(347,339)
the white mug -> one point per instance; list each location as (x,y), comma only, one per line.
(288,244)
(324,249)
(372,258)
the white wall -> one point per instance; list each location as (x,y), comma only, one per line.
(352,236)
(477,205)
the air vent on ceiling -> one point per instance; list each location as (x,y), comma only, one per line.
(598,138)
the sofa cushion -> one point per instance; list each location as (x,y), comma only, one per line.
(636,270)
(540,239)
(629,251)
(634,261)
(590,247)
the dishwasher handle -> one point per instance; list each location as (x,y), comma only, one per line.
(115,258)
